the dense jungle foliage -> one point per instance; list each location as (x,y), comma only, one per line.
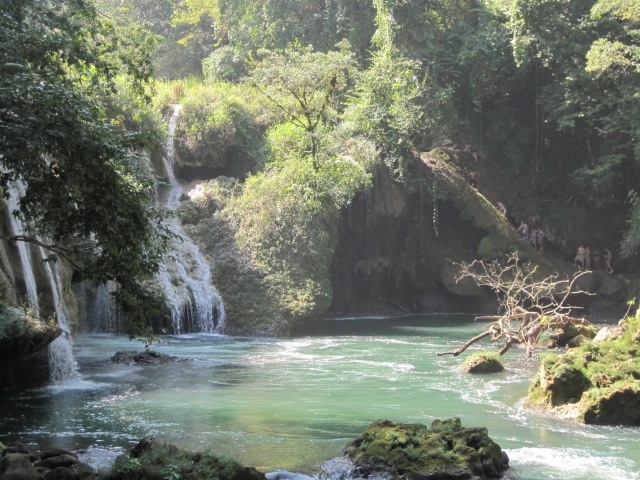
(300,102)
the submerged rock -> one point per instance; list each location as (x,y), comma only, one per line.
(443,451)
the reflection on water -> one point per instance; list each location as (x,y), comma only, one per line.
(294,403)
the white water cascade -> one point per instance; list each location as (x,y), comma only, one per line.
(185,276)
(62,364)
(18,229)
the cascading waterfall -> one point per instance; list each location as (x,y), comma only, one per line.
(185,276)
(18,229)
(62,364)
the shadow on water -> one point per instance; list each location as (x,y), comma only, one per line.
(382,325)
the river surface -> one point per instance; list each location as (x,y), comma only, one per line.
(291,404)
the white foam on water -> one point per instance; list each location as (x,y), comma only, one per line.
(572,464)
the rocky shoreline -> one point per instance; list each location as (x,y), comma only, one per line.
(385,450)
(17,462)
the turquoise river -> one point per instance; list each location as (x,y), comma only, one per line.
(292,404)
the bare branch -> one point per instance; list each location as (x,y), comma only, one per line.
(530,302)
(457,352)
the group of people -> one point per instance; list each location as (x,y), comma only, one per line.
(597,260)
(535,237)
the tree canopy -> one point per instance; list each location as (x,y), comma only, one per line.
(84,191)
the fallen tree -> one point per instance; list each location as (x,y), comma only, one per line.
(530,303)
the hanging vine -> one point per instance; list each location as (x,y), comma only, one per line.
(435,196)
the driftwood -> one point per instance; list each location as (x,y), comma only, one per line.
(529,304)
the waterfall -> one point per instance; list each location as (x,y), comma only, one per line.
(18,228)
(185,276)
(62,364)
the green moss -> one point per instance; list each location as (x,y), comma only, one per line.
(603,377)
(221,126)
(483,362)
(22,334)
(164,462)
(408,450)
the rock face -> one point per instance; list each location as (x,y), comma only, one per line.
(18,463)
(444,451)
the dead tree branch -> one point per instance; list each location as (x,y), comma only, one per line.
(530,303)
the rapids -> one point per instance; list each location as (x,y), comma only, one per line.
(292,404)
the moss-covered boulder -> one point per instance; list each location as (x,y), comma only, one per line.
(22,334)
(564,336)
(443,451)
(595,383)
(483,362)
(154,459)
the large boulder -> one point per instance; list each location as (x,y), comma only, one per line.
(443,451)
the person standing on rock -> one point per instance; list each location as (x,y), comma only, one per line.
(473,179)
(541,240)
(523,229)
(607,260)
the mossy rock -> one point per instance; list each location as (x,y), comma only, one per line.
(595,383)
(443,451)
(616,405)
(154,459)
(22,334)
(561,338)
(483,362)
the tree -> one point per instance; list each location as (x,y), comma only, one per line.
(606,52)
(305,86)
(85,196)
(529,303)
